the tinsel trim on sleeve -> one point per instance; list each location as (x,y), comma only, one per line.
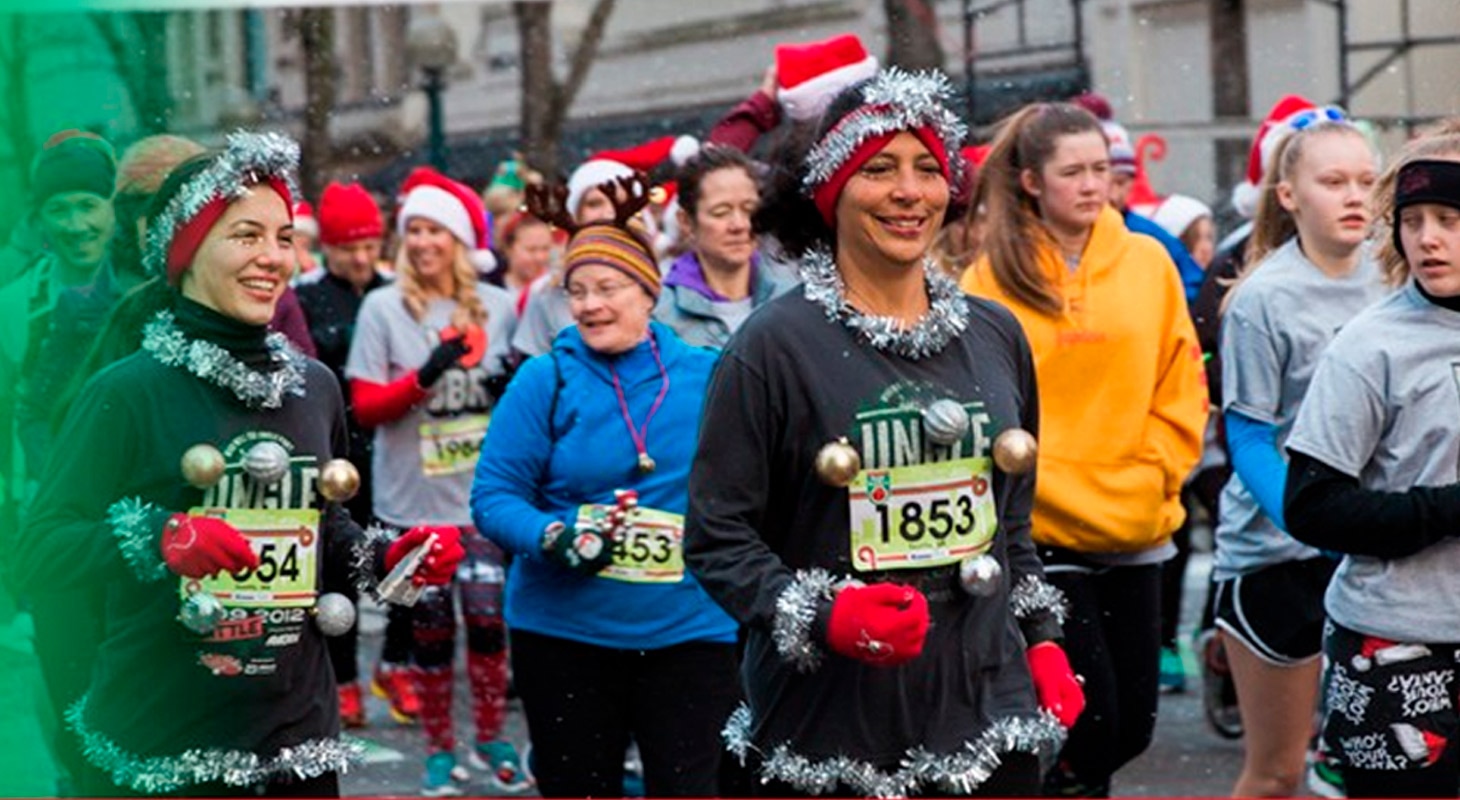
(959,772)
(795,612)
(166,774)
(946,318)
(170,346)
(137,526)
(1033,595)
(259,154)
(363,555)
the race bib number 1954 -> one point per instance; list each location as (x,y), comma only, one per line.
(922,516)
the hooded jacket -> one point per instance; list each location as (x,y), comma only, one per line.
(1122,392)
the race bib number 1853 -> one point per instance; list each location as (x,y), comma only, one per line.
(922,516)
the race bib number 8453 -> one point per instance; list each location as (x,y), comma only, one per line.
(922,516)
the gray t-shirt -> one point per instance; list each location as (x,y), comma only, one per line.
(1273,332)
(1383,407)
(543,318)
(424,462)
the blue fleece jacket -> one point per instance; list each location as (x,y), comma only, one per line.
(1191,272)
(558,440)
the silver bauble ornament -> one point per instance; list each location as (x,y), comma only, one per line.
(945,422)
(979,575)
(201,612)
(266,462)
(1016,451)
(202,466)
(334,614)
(837,463)
(339,481)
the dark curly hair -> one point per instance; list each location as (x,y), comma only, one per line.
(711,158)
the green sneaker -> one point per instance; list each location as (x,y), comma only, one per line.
(498,758)
(440,779)
(1173,671)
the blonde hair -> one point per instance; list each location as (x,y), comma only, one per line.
(1272,224)
(1444,143)
(1013,228)
(469,309)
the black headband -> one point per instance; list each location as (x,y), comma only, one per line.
(1425,181)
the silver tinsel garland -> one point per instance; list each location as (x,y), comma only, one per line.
(795,612)
(137,526)
(164,774)
(959,772)
(169,345)
(247,158)
(1034,594)
(946,318)
(893,100)
(362,559)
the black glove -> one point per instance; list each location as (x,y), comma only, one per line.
(585,551)
(444,357)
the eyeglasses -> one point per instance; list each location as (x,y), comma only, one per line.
(1307,119)
(578,293)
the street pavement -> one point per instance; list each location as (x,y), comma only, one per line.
(1187,759)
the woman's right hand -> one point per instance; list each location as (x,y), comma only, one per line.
(198,547)
(884,624)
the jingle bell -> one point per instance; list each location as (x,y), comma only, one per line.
(266,462)
(202,466)
(339,481)
(945,422)
(201,612)
(334,614)
(837,463)
(980,575)
(1016,451)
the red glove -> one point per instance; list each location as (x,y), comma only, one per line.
(883,624)
(440,563)
(1059,691)
(196,547)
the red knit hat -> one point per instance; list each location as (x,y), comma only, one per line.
(347,213)
(1264,145)
(811,74)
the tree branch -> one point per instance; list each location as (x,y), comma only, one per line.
(583,55)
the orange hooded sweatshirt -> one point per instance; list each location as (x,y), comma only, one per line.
(1122,393)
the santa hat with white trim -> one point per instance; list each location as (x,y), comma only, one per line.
(809,75)
(453,206)
(1270,136)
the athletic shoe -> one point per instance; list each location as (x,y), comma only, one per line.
(1173,671)
(352,707)
(498,758)
(441,776)
(1323,777)
(1218,692)
(393,684)
(633,773)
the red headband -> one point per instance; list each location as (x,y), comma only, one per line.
(827,193)
(189,236)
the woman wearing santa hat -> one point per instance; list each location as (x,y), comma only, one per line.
(845,505)
(187,481)
(425,351)
(1095,300)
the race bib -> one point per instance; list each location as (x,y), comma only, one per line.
(287,544)
(922,516)
(649,548)
(451,447)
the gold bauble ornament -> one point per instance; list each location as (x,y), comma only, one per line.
(339,481)
(1016,451)
(837,463)
(202,466)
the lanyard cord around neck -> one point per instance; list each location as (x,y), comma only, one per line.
(640,436)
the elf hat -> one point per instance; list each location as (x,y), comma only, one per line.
(1177,213)
(347,213)
(1275,128)
(809,75)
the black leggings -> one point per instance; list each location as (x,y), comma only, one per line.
(584,703)
(1113,638)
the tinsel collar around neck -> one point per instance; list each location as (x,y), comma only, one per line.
(266,388)
(947,315)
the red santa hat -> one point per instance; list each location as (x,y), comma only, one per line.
(304,219)
(1275,128)
(811,74)
(453,206)
(609,165)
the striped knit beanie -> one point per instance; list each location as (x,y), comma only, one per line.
(614,247)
